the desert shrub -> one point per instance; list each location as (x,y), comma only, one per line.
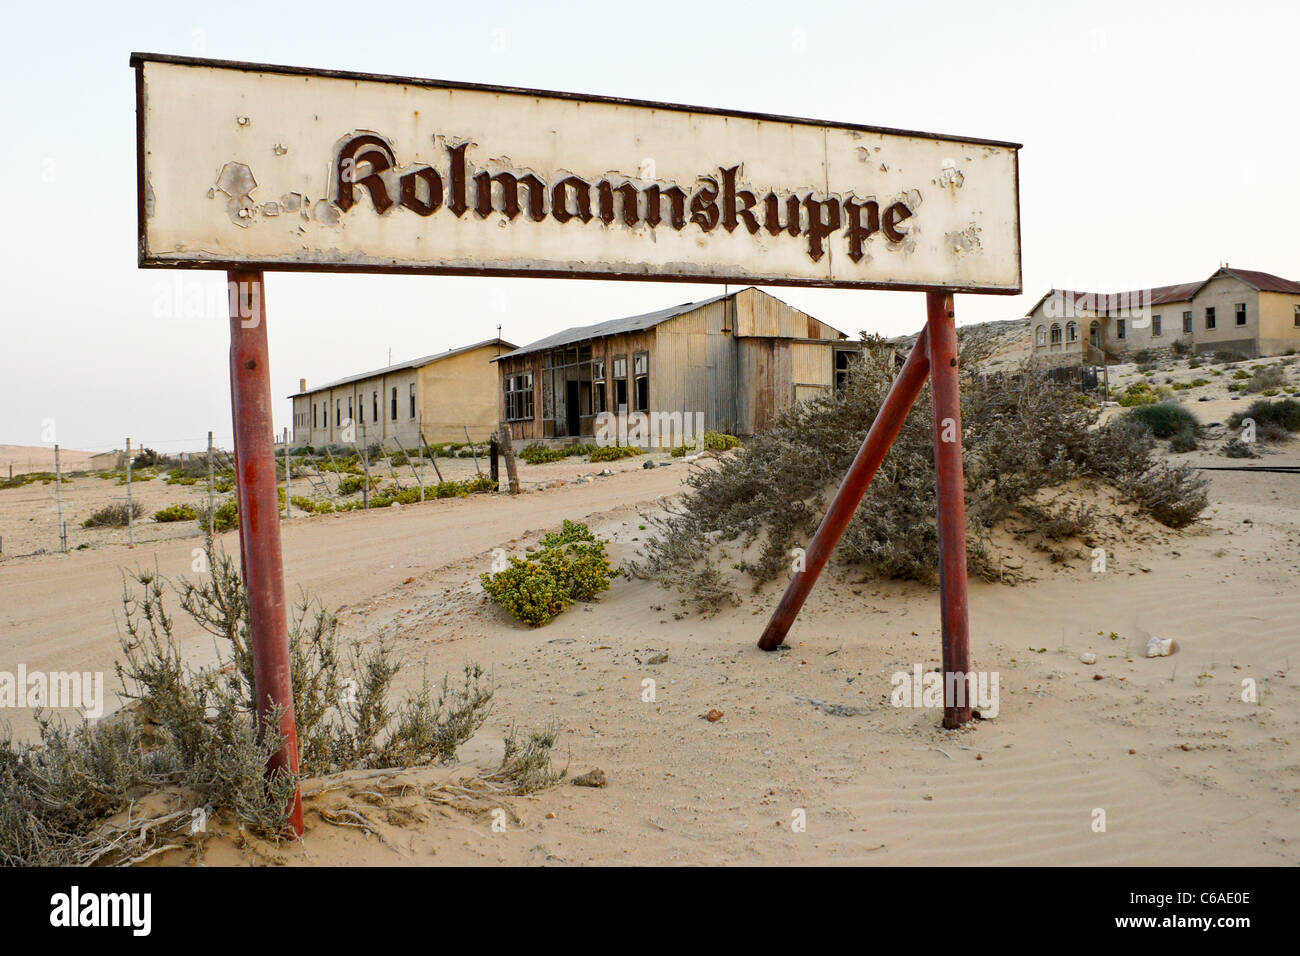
(681,451)
(312,506)
(720,441)
(1183,440)
(1060,522)
(145,458)
(1266,377)
(614,452)
(527,591)
(1236,448)
(1274,420)
(117,515)
(196,730)
(1164,420)
(1022,434)
(1145,356)
(225,517)
(538,454)
(352,484)
(1240,373)
(1180,348)
(179,512)
(1139,393)
(570,565)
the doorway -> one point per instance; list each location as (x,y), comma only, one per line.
(572,409)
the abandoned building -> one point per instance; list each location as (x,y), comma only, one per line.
(1235,311)
(730,364)
(435,398)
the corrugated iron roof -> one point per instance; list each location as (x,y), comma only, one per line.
(631,323)
(1263,281)
(1104,302)
(402,366)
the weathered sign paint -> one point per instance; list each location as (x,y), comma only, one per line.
(251,166)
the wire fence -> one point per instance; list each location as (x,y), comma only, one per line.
(143,493)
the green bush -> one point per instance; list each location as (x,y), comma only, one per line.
(615,452)
(571,565)
(720,441)
(1273,420)
(225,518)
(354,483)
(538,454)
(1164,420)
(180,512)
(113,516)
(1139,393)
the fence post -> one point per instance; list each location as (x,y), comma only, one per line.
(58,498)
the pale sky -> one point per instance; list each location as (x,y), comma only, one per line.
(1160,139)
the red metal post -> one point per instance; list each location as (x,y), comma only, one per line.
(889,420)
(950,486)
(259,518)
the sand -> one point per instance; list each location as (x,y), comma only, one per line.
(1184,770)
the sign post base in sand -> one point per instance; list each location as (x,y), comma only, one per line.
(261,561)
(935,355)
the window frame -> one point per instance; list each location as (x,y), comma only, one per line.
(1189,322)
(1211,319)
(1156,326)
(641,360)
(519,397)
(1241,314)
(620,382)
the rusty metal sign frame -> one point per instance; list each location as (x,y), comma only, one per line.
(933,358)
(138,61)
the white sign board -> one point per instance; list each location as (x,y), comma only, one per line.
(266,167)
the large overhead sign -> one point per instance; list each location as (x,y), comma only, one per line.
(245,166)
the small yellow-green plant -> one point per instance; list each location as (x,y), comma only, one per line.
(615,452)
(571,565)
(179,512)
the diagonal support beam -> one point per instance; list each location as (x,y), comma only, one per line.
(889,421)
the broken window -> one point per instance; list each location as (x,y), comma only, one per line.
(620,383)
(1209,318)
(1040,336)
(842,358)
(392,404)
(1071,331)
(1121,328)
(641,377)
(597,386)
(1056,333)
(412,400)
(519,397)
(1187,323)
(1241,313)
(374,405)
(1155,325)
